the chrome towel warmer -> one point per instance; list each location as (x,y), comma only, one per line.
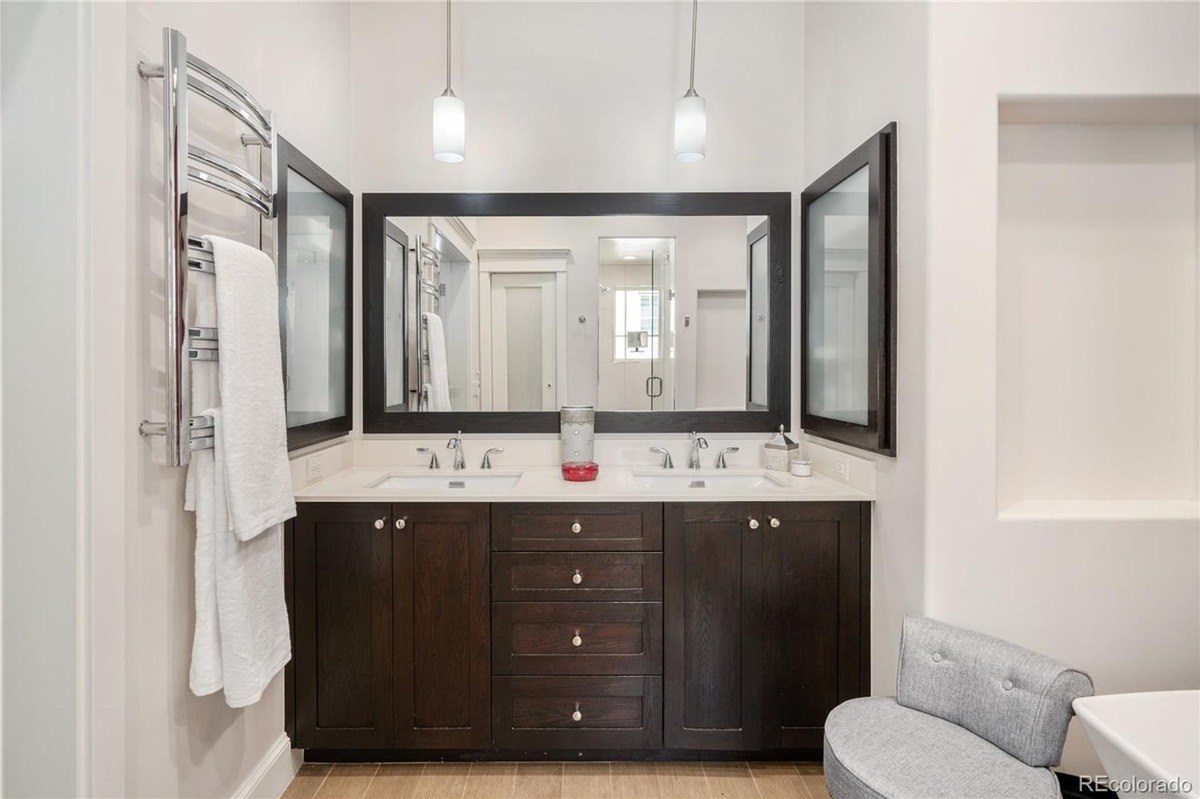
(184,163)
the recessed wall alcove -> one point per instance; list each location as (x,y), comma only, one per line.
(1097,266)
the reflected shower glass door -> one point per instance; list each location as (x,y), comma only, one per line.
(660,386)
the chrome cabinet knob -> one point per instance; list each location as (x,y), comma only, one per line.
(754,524)
(577,716)
(576,527)
(577,578)
(401,523)
(576,641)
(774,522)
(380,524)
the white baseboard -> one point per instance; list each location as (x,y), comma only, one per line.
(271,777)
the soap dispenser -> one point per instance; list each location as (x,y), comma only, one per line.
(780,451)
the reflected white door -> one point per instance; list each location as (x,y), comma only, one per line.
(524,349)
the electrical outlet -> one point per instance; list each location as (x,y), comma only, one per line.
(316,469)
(839,465)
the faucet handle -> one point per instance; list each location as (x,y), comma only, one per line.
(721,456)
(433,461)
(487,457)
(667,463)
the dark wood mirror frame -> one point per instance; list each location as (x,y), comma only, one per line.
(776,206)
(879,434)
(291,158)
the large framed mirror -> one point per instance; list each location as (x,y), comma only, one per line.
(848,284)
(489,312)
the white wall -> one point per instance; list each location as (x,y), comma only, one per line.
(158,739)
(45,212)
(578,97)
(865,65)
(1120,600)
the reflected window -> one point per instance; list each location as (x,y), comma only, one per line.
(635,324)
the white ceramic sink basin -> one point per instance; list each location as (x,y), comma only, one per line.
(701,480)
(448,482)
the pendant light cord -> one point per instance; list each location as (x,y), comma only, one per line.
(692,75)
(448,46)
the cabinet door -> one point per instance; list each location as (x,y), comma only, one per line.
(343,625)
(813,630)
(712,681)
(442,679)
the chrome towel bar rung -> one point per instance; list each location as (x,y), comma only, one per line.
(202,333)
(202,355)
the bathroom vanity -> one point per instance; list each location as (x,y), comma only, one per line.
(458,626)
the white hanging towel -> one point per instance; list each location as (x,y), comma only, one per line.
(439,374)
(258,476)
(241,639)
(251,609)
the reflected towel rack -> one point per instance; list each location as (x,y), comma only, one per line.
(184,163)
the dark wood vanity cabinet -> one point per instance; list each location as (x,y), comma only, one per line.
(390,607)
(543,628)
(343,594)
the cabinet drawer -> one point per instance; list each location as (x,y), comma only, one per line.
(580,526)
(577,712)
(577,638)
(577,576)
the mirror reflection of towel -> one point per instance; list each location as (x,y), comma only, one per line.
(439,375)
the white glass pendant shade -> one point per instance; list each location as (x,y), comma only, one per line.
(449,128)
(691,128)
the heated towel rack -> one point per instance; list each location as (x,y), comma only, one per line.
(183,164)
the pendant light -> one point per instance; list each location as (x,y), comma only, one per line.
(691,121)
(449,117)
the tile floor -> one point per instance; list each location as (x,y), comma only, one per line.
(618,780)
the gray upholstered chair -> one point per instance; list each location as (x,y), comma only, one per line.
(974,717)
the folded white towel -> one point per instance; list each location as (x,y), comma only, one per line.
(439,373)
(258,479)
(241,638)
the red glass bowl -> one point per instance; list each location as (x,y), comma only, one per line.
(580,471)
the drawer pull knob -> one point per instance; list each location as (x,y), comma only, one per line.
(774,522)
(576,527)
(577,578)
(576,641)
(754,524)
(577,716)
(380,524)
(401,522)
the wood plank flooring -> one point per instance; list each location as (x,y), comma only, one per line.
(620,780)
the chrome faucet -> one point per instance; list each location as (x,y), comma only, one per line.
(721,456)
(455,443)
(667,463)
(487,457)
(698,443)
(433,461)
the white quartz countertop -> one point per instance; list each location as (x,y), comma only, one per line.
(543,484)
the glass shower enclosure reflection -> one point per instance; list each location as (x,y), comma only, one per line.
(637,321)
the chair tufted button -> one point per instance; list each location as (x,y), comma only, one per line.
(937,657)
(1008,685)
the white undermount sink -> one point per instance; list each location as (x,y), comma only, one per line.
(701,480)
(448,482)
